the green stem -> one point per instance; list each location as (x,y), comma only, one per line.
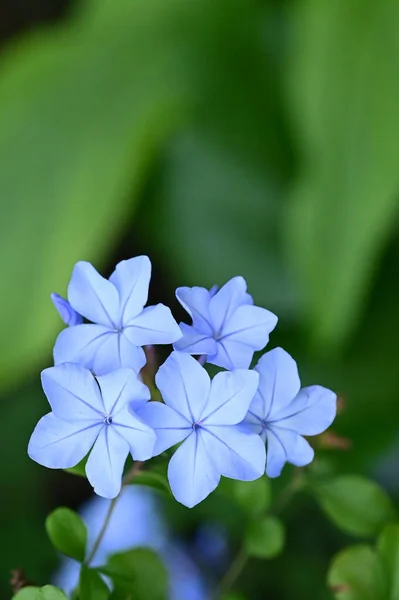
(126,480)
(233,573)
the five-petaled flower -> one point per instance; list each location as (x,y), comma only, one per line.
(207,415)
(92,413)
(119,323)
(281,412)
(227,327)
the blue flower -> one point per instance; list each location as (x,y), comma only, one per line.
(65,310)
(92,413)
(206,415)
(120,325)
(226,327)
(282,413)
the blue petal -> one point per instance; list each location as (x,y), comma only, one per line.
(79,344)
(72,392)
(311,411)
(93,296)
(249,325)
(140,437)
(230,397)
(195,342)
(105,464)
(226,301)
(170,426)
(131,356)
(132,278)
(232,355)
(196,302)
(192,475)
(278,383)
(236,452)
(120,387)
(184,385)
(65,310)
(284,445)
(59,444)
(154,325)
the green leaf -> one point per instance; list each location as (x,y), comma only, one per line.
(153,480)
(91,585)
(27,593)
(67,533)
(343,94)
(265,538)
(253,496)
(139,573)
(388,548)
(47,592)
(355,504)
(356,573)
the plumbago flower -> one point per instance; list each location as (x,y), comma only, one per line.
(207,415)
(65,310)
(119,323)
(226,327)
(282,413)
(97,413)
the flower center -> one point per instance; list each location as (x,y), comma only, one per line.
(196,425)
(108,419)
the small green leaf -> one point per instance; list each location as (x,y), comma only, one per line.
(26,593)
(355,504)
(253,496)
(47,592)
(91,585)
(139,573)
(67,533)
(388,548)
(79,469)
(356,573)
(153,480)
(265,538)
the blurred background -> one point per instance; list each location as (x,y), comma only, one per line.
(220,137)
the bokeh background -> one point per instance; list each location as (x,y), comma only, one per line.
(220,137)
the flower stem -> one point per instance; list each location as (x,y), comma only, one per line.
(233,573)
(126,480)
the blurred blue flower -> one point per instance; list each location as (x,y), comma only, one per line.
(282,413)
(120,325)
(65,310)
(207,414)
(226,327)
(92,413)
(135,522)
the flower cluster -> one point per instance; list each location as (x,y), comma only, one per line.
(241,424)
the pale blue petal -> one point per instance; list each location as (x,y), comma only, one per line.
(132,278)
(249,325)
(226,301)
(80,343)
(311,411)
(107,356)
(140,436)
(104,467)
(154,325)
(72,392)
(230,397)
(284,445)
(278,383)
(232,355)
(195,342)
(131,356)
(170,426)
(192,475)
(196,302)
(184,385)
(248,299)
(65,310)
(236,451)
(119,388)
(59,444)
(93,296)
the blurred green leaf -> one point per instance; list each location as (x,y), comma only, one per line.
(139,573)
(265,538)
(91,585)
(355,504)
(253,496)
(67,533)
(27,593)
(343,93)
(356,573)
(153,480)
(47,592)
(388,548)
